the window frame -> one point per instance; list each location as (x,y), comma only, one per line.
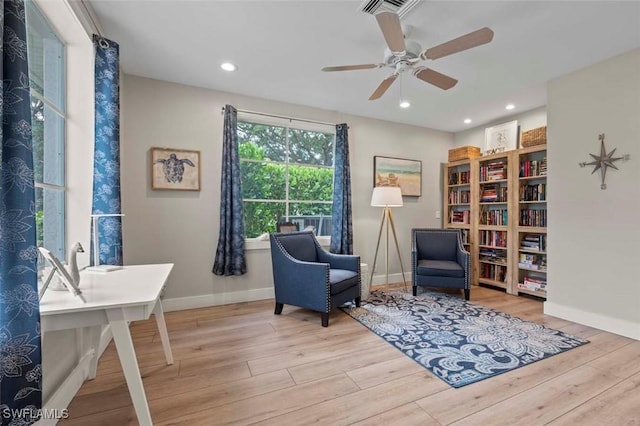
(61,114)
(289,123)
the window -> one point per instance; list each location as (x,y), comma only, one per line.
(47,80)
(287,175)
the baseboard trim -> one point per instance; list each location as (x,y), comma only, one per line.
(393,278)
(205,300)
(602,322)
(62,397)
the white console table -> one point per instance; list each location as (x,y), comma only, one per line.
(129,294)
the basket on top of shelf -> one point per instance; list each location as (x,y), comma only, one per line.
(463,153)
(534,137)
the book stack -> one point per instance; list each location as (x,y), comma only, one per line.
(493,272)
(533,242)
(493,171)
(493,193)
(533,284)
(491,255)
(534,262)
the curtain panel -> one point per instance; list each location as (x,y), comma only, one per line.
(106,161)
(230,255)
(20,351)
(341,226)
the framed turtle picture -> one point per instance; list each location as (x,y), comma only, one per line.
(173,168)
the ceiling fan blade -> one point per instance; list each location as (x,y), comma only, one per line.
(353,67)
(386,83)
(392,30)
(434,77)
(467,41)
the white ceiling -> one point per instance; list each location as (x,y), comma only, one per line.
(280,47)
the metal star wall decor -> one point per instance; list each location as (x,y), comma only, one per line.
(603,161)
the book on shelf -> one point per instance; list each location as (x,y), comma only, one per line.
(460,216)
(533,168)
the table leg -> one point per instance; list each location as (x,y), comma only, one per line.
(162,328)
(127,355)
(95,333)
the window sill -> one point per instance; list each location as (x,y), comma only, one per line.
(258,244)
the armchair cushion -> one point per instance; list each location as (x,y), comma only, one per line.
(439,268)
(341,279)
(301,246)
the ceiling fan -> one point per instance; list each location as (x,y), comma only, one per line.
(403,55)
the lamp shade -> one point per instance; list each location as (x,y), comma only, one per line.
(386,196)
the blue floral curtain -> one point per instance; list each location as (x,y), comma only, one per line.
(106,161)
(20,352)
(230,255)
(341,227)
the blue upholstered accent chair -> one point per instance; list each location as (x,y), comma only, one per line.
(438,259)
(306,275)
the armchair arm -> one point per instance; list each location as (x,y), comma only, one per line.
(463,258)
(339,261)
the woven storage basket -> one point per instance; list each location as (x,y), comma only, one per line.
(533,137)
(463,153)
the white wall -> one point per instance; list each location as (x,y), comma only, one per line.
(526,121)
(594,233)
(182,227)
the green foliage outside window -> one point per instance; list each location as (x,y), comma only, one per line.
(264,168)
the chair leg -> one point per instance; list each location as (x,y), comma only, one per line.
(466,294)
(278,310)
(325,319)
(357,302)
(415,290)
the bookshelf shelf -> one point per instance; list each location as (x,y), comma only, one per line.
(507,195)
(494,283)
(538,177)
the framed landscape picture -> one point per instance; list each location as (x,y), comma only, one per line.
(407,174)
(500,138)
(175,169)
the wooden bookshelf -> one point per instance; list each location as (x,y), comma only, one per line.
(507,197)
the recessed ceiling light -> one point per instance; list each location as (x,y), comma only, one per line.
(405,104)
(510,106)
(228,66)
(467,120)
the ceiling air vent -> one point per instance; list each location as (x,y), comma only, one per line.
(399,7)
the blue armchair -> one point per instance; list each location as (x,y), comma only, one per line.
(438,259)
(306,275)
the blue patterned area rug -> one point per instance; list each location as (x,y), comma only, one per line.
(458,341)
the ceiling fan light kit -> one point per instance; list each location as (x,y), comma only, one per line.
(404,54)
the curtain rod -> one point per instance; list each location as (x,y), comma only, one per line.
(264,114)
(89,15)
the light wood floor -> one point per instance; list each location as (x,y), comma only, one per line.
(241,364)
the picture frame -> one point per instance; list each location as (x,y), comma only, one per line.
(175,168)
(402,172)
(501,138)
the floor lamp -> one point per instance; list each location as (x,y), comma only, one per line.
(387,197)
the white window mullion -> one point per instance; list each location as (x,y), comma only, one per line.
(286,174)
